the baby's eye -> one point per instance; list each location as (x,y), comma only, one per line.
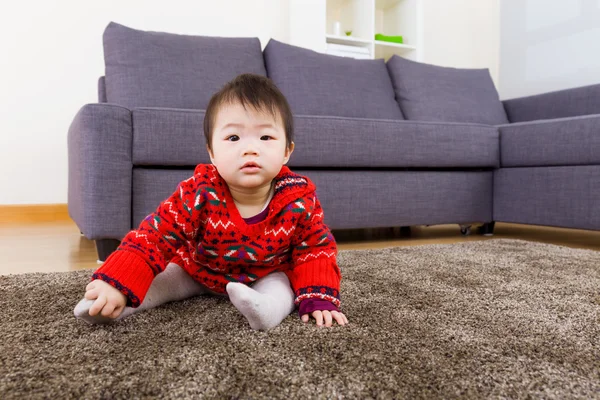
(233,138)
(266,137)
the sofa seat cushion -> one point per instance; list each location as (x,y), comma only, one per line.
(428,92)
(172,137)
(155,69)
(554,142)
(364,143)
(168,137)
(321,84)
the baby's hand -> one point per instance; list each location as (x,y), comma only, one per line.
(109,301)
(326,315)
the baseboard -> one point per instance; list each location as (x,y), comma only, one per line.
(24,213)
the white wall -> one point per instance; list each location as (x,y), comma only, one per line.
(461,34)
(307,24)
(548,45)
(52,57)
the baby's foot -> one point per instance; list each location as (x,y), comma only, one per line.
(256,307)
(82,311)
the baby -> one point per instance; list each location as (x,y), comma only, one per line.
(244,226)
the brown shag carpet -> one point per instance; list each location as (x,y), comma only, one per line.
(495,318)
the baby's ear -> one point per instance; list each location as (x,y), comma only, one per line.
(288,152)
(210,154)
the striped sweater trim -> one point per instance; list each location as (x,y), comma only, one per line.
(318,292)
(331,299)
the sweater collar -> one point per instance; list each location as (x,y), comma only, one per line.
(288,185)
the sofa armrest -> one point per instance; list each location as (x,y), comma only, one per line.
(574,102)
(100,171)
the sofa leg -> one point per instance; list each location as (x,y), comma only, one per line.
(405,231)
(105,247)
(465,229)
(487,229)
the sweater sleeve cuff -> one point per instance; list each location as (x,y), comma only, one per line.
(318,279)
(309,305)
(128,273)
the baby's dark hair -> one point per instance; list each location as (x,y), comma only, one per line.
(252,90)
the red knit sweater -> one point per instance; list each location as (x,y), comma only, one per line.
(199,228)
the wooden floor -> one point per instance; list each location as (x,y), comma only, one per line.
(58,246)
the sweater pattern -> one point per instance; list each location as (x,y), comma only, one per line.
(199,228)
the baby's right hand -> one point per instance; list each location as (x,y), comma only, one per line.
(110,302)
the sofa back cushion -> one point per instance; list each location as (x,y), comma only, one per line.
(320,84)
(428,92)
(155,69)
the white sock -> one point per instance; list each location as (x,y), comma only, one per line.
(173,284)
(266,303)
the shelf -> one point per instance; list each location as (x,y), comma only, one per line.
(396,45)
(365,18)
(347,40)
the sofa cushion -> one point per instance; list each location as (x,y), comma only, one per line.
(321,84)
(583,100)
(428,92)
(170,137)
(395,144)
(155,69)
(554,142)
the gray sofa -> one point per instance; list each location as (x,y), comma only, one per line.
(387,144)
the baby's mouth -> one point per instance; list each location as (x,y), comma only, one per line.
(250,167)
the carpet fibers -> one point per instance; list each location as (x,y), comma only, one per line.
(496,319)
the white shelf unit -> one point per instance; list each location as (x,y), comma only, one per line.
(349,40)
(365,18)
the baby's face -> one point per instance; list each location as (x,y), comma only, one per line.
(248,146)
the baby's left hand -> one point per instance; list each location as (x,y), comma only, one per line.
(326,315)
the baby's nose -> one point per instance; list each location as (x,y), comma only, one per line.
(251,148)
